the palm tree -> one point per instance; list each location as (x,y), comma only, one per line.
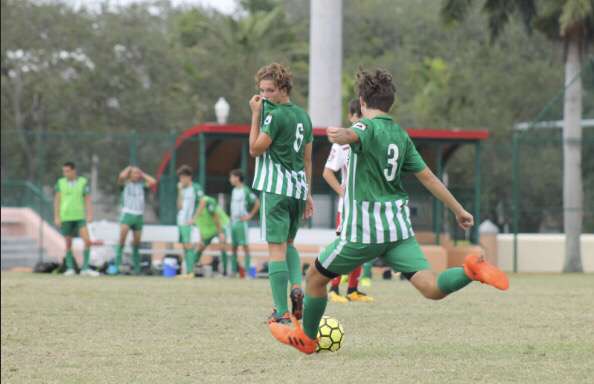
(571,22)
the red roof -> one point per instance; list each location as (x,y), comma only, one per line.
(244,130)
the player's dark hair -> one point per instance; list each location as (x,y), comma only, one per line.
(70,165)
(355,108)
(237,173)
(278,73)
(376,89)
(184,170)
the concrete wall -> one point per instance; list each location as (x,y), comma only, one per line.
(541,252)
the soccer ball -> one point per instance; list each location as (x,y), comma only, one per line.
(330,335)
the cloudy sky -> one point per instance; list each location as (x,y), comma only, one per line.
(226,6)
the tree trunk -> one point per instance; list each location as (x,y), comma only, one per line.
(572,157)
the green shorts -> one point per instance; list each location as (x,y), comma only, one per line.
(134,222)
(280,217)
(185,234)
(71,228)
(207,238)
(341,257)
(239,233)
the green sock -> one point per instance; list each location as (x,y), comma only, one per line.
(313,310)
(118,258)
(189,258)
(452,280)
(294,265)
(224,260)
(367,269)
(86,258)
(234,262)
(278,275)
(247,262)
(69,260)
(136,259)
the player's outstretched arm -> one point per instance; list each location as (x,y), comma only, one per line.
(436,187)
(150,181)
(341,136)
(124,174)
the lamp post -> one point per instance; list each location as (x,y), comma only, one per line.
(221,110)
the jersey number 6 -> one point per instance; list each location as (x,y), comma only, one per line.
(390,170)
(298,137)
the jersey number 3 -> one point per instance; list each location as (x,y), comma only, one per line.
(390,170)
(298,137)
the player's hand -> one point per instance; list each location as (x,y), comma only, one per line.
(245,217)
(256,104)
(190,222)
(222,238)
(342,191)
(57,221)
(335,134)
(464,219)
(309,208)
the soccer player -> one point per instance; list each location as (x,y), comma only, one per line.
(212,221)
(134,184)
(188,196)
(338,160)
(377,218)
(281,140)
(244,206)
(72,205)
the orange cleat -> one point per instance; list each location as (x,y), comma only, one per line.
(293,337)
(477,268)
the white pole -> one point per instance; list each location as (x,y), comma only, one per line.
(325,63)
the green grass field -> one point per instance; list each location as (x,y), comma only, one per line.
(155,330)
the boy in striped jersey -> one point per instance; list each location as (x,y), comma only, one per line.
(188,196)
(377,218)
(134,185)
(244,206)
(338,160)
(281,140)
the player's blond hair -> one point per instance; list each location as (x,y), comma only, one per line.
(278,73)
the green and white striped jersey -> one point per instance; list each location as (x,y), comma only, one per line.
(376,204)
(132,198)
(242,200)
(281,170)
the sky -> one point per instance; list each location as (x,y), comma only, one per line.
(225,6)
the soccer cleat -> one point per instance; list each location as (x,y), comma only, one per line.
(365,282)
(275,317)
(360,297)
(70,272)
(297,302)
(185,276)
(336,298)
(293,337)
(89,272)
(477,268)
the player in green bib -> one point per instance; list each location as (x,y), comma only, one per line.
(281,141)
(188,196)
(72,205)
(212,221)
(377,218)
(244,206)
(134,185)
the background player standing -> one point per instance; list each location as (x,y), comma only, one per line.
(338,160)
(244,206)
(188,195)
(72,205)
(281,140)
(134,184)
(377,218)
